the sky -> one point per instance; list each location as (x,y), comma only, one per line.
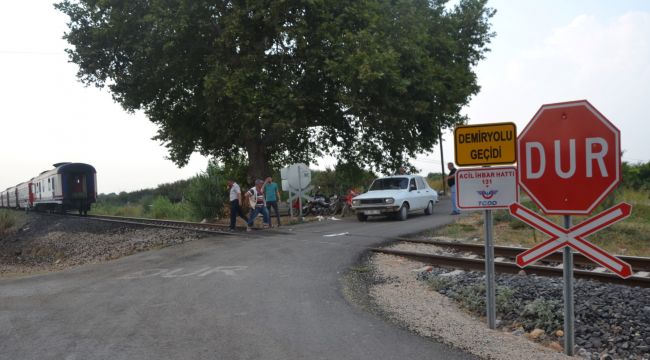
(543,52)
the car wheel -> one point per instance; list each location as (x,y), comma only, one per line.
(429,209)
(362,217)
(403,212)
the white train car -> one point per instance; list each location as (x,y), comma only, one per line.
(24,197)
(5,198)
(12,198)
(69,186)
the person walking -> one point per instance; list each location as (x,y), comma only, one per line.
(235,204)
(256,198)
(347,207)
(272,196)
(451,182)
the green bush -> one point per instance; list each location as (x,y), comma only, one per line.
(472,298)
(439,282)
(505,299)
(163,208)
(207,193)
(543,314)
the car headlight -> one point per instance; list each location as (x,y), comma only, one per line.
(356,202)
(389,200)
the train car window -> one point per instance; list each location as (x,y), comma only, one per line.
(53,188)
(49,186)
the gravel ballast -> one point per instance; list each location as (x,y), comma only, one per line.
(53,242)
(612,321)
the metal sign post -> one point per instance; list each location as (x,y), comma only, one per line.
(290,204)
(298,178)
(490,291)
(572,238)
(544,147)
(487,188)
(300,191)
(568,294)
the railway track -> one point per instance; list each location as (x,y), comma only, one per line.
(504,262)
(169,224)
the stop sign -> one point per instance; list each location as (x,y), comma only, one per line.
(569,158)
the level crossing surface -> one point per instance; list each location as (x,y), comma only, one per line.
(254,296)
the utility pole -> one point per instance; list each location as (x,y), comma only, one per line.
(442,164)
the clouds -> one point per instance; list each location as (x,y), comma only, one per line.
(606,61)
(47,116)
(544,52)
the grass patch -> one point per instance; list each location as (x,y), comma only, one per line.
(7,221)
(128,210)
(630,236)
(159,207)
(11,220)
(463,228)
(361,269)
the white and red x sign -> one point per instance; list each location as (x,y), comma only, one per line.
(573,237)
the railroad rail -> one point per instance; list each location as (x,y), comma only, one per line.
(169,224)
(458,261)
(638,263)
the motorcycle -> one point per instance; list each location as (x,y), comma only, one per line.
(320,205)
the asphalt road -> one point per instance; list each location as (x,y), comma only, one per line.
(263,296)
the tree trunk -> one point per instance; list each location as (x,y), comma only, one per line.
(258,162)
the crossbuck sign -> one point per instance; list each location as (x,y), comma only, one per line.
(573,237)
(569,161)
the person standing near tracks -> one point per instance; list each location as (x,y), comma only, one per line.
(451,182)
(235,204)
(256,198)
(272,196)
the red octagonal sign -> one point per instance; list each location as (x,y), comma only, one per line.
(569,158)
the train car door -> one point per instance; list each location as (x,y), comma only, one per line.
(31,194)
(78,186)
(50,187)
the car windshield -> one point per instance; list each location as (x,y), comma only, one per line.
(390,184)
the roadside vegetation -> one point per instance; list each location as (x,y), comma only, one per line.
(205,195)
(628,237)
(10,221)
(200,197)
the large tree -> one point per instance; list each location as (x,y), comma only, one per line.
(371,82)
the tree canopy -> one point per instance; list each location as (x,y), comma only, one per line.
(371,82)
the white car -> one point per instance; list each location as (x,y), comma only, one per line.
(395,195)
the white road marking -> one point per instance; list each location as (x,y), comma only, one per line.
(178,272)
(339,234)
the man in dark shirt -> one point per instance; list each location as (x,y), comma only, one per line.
(451,181)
